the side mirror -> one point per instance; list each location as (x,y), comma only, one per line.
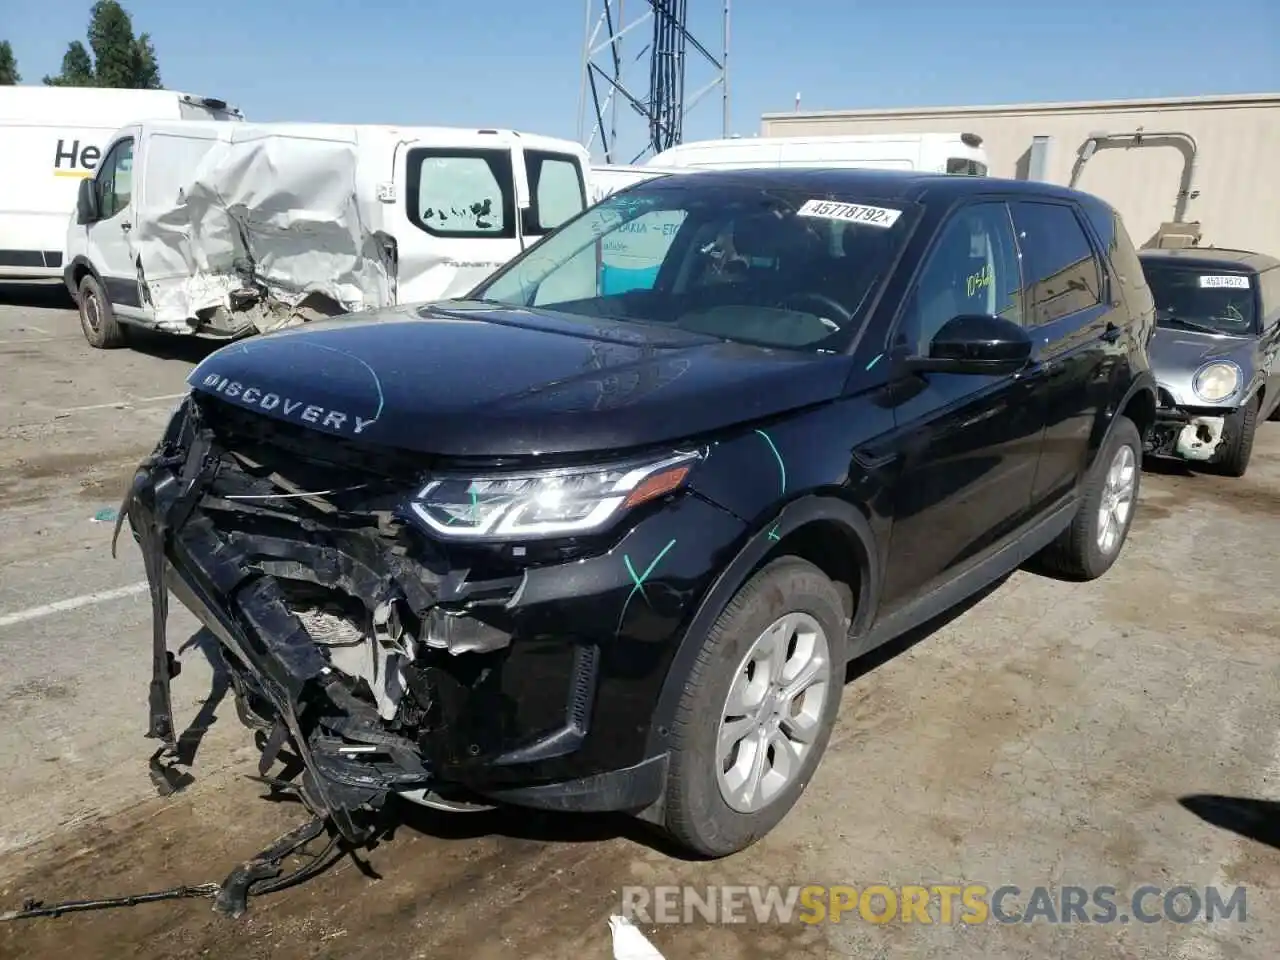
(976,344)
(87,202)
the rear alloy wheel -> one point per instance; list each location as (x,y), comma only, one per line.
(1087,549)
(97,319)
(758,709)
(1237,446)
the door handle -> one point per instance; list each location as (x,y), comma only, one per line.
(1112,333)
(126,226)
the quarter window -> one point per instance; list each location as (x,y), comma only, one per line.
(556,183)
(973,269)
(461,193)
(1058,262)
(115,180)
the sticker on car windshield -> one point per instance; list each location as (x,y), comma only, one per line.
(850,213)
(1229,281)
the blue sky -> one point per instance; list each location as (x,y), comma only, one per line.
(517,63)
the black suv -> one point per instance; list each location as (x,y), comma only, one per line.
(604,534)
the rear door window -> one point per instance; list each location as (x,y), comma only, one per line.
(1059,266)
(557,187)
(461,193)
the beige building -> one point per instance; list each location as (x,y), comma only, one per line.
(1215,160)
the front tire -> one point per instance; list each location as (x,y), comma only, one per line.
(1087,549)
(97,318)
(1237,448)
(758,709)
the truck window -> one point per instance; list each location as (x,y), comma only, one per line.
(461,193)
(115,179)
(558,189)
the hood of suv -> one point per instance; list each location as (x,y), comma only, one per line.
(467,380)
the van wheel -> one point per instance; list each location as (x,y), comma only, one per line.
(758,708)
(97,319)
(1237,448)
(1087,549)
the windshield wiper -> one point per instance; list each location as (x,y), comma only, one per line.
(1191,324)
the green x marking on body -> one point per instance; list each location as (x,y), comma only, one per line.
(638,579)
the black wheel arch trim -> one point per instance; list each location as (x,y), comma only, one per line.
(72,268)
(1144,381)
(796,514)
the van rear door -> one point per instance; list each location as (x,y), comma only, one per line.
(472,206)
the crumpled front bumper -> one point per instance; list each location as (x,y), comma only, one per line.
(1185,432)
(542,698)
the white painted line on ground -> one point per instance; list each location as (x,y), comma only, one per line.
(18,343)
(167,396)
(129,401)
(71,603)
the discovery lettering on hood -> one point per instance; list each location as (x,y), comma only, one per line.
(250,395)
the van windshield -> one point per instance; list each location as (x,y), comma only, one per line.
(775,268)
(1201,299)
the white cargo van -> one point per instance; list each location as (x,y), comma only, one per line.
(227,229)
(609,178)
(960,153)
(50,139)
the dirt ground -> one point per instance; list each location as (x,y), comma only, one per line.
(1047,735)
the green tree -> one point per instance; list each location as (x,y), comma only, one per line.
(119,58)
(9,74)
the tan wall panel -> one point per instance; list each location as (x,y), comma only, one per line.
(1238,164)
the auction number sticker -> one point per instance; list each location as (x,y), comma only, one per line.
(1228,281)
(850,213)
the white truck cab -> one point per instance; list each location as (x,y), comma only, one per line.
(224,230)
(959,153)
(51,138)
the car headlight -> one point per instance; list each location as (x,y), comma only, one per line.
(1216,381)
(543,503)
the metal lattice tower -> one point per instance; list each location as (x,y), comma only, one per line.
(611,81)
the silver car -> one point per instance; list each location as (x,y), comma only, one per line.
(1214,352)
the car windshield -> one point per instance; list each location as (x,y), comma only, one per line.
(1196,298)
(773,268)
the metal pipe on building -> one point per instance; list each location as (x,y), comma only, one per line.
(1184,143)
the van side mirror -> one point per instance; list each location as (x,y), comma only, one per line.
(976,344)
(87,202)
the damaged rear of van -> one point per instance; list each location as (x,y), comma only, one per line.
(191,227)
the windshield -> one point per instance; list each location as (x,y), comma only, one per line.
(1195,298)
(775,268)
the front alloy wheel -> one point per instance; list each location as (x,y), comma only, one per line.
(757,709)
(772,714)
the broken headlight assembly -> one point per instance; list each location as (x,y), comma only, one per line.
(1216,381)
(545,503)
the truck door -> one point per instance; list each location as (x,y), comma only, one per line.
(109,240)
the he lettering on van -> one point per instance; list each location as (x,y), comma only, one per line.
(70,160)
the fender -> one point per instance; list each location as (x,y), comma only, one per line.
(793,516)
(1143,381)
(79,262)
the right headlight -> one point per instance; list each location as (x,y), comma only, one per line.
(545,503)
(1216,380)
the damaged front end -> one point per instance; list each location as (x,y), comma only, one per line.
(1188,433)
(320,623)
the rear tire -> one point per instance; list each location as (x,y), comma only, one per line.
(97,318)
(1237,448)
(795,597)
(1087,549)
